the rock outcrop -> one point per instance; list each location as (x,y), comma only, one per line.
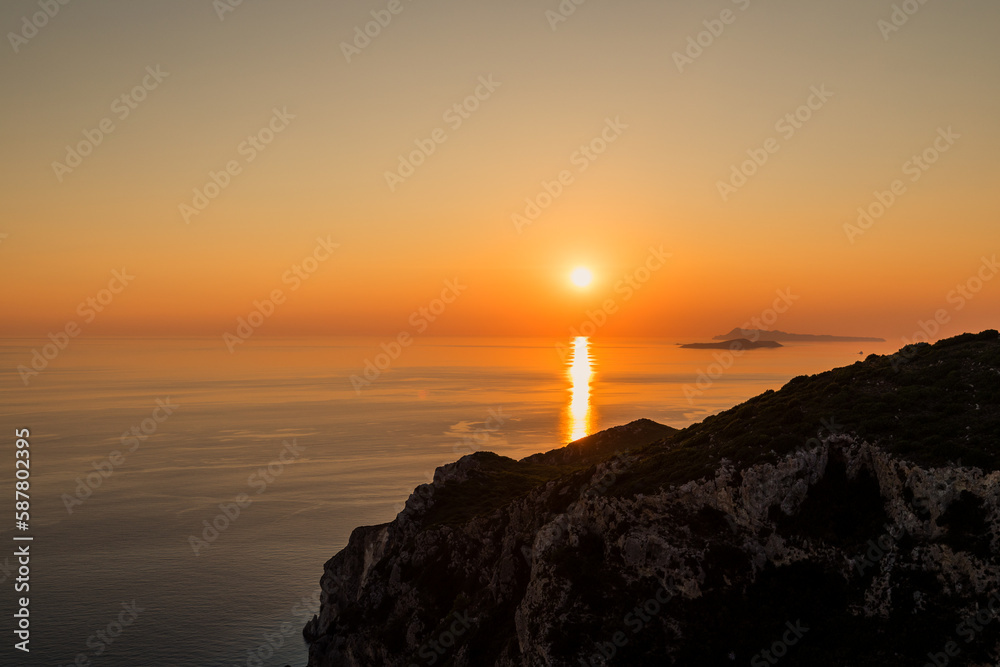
(852,518)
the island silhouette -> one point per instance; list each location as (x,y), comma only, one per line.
(782,336)
(734,344)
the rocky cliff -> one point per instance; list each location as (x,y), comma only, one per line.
(851,518)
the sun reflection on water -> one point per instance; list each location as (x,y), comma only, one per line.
(580,373)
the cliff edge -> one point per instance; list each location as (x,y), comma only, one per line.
(851,518)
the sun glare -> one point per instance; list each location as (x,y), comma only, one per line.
(581,372)
(582,277)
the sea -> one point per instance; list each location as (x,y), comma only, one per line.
(182,499)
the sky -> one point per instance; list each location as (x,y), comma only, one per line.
(344,179)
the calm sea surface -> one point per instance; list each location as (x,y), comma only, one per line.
(350,458)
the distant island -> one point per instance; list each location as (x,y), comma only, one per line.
(734,344)
(763,335)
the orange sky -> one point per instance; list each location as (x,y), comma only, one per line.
(610,69)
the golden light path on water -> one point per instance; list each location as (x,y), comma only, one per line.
(580,374)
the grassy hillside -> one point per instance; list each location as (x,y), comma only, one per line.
(930,404)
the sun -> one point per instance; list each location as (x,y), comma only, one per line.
(582,276)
